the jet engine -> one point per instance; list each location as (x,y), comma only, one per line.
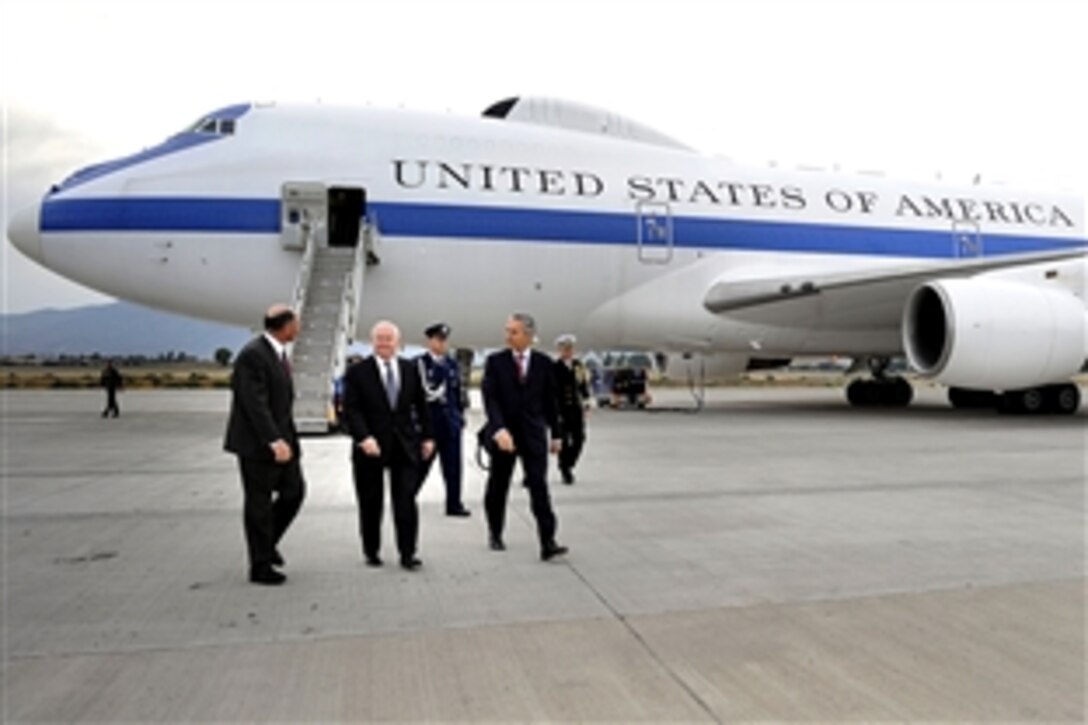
(989,334)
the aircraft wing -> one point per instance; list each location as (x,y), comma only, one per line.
(853,299)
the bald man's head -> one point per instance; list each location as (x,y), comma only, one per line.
(282,323)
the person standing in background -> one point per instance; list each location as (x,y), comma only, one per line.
(572,391)
(112,381)
(441,377)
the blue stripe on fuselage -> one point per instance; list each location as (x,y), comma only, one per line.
(149,214)
(399,219)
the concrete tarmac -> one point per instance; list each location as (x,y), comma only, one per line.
(777,557)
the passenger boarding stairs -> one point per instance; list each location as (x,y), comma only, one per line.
(327,292)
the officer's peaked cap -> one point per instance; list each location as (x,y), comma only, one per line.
(438,329)
(565,340)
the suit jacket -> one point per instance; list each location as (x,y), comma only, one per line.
(111,379)
(368,413)
(526,409)
(262,403)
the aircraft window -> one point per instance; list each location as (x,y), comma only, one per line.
(211,125)
(194,127)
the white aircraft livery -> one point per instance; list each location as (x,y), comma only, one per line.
(594,223)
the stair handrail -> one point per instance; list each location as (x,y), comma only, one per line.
(305,271)
(358,265)
(345,324)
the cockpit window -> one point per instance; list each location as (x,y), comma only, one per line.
(204,125)
(213,126)
(223,122)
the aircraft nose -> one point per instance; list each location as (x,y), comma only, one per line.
(25,233)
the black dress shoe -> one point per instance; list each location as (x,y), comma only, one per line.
(568,476)
(266,575)
(277,559)
(497,544)
(410,563)
(551,551)
(374,561)
(460,513)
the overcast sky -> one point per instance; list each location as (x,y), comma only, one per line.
(992,88)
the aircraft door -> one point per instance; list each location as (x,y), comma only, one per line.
(654,232)
(347,207)
(303,213)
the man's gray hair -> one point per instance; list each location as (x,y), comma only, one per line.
(385,324)
(526,320)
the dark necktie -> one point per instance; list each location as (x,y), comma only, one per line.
(286,364)
(391,385)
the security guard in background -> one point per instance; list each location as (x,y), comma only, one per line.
(112,381)
(572,389)
(442,384)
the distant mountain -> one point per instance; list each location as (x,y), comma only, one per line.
(119,328)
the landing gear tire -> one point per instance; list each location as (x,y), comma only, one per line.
(965,398)
(880,393)
(1032,401)
(905,394)
(1061,399)
(1065,399)
(858,393)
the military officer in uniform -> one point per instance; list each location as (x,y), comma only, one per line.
(572,390)
(442,384)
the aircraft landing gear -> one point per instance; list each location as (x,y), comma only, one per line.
(967,399)
(880,391)
(1063,399)
(1060,399)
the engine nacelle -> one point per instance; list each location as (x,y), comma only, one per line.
(990,334)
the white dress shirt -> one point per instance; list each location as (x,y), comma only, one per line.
(279,348)
(526,354)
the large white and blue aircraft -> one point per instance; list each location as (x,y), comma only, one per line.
(600,226)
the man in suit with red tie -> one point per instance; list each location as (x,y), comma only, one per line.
(261,432)
(385,408)
(522,423)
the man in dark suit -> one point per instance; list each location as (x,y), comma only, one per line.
(112,381)
(261,432)
(385,408)
(519,397)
